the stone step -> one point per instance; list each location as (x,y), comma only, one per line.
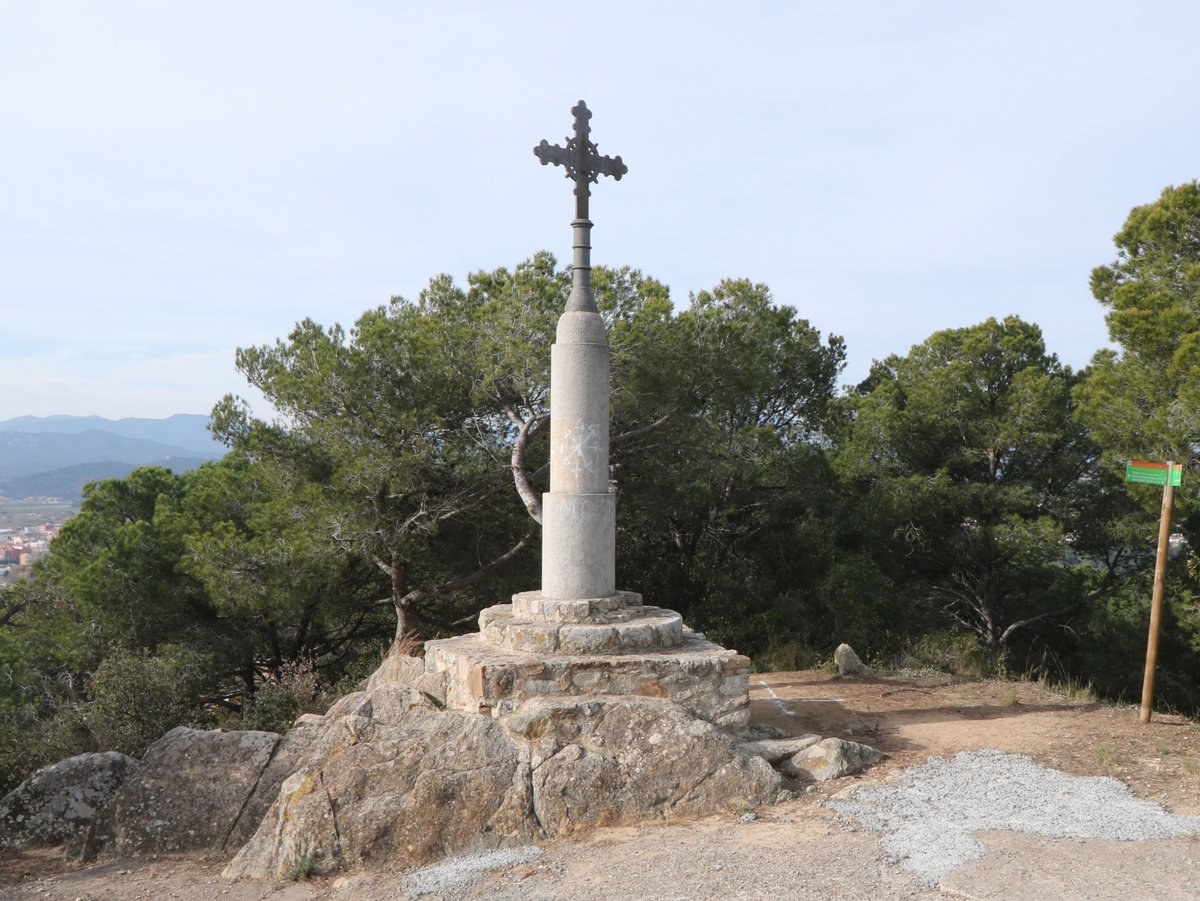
(624,630)
(533,605)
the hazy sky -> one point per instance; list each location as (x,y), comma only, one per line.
(180,179)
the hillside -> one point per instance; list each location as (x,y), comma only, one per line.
(57,455)
(183,430)
(68,481)
(24,453)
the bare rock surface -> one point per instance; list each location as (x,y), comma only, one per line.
(620,761)
(286,757)
(188,794)
(59,802)
(395,780)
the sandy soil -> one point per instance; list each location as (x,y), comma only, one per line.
(797,849)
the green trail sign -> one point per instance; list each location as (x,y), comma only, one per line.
(1169,476)
(1146,473)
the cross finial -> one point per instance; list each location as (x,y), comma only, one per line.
(581,159)
(584,165)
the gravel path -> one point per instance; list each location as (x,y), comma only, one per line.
(929,817)
(681,863)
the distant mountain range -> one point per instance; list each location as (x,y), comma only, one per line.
(57,455)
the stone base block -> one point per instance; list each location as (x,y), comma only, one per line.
(708,681)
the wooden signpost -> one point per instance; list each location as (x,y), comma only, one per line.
(1169,476)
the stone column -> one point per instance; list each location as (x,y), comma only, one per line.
(579,512)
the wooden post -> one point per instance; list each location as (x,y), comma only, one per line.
(1156,598)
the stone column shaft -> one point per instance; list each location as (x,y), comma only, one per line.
(579,511)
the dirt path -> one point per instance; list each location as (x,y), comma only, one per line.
(798,849)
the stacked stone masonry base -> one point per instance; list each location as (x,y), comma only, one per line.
(539,647)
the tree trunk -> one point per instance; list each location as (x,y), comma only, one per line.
(405,641)
(247,675)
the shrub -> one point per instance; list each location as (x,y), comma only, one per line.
(137,697)
(947,651)
(788,656)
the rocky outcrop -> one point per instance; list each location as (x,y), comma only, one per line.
(560,713)
(194,791)
(607,762)
(393,778)
(57,803)
(288,754)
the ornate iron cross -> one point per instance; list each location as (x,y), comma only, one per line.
(584,165)
(581,159)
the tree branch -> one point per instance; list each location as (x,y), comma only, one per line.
(1070,609)
(10,609)
(387,570)
(440,623)
(529,427)
(424,594)
(642,430)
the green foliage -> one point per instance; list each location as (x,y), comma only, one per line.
(130,700)
(724,508)
(399,433)
(976,483)
(954,651)
(297,688)
(405,433)
(1153,286)
(303,859)
(788,655)
(18,758)
(117,560)
(169,598)
(1109,650)
(1144,401)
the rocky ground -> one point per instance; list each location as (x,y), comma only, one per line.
(799,849)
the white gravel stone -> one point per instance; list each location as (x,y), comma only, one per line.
(456,873)
(929,816)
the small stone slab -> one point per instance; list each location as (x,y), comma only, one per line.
(774,750)
(830,758)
